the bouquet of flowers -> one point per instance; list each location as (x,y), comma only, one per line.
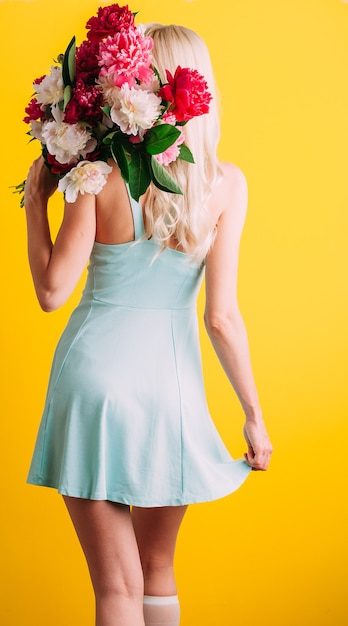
(104,99)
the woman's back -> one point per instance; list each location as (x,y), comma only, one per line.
(114,220)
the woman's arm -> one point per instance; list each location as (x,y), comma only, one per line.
(57,267)
(223,320)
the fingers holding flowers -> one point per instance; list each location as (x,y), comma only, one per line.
(40,183)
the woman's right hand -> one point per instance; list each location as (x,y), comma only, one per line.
(40,183)
(259,445)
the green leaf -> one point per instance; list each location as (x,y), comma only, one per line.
(19,189)
(157,74)
(160,137)
(185,154)
(119,155)
(72,61)
(139,175)
(106,110)
(162,179)
(69,63)
(67,96)
(108,139)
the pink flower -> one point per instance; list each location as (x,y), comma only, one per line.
(87,67)
(127,55)
(85,104)
(34,112)
(109,20)
(187,91)
(172,153)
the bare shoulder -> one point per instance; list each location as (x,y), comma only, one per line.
(231,192)
(232,172)
(113,186)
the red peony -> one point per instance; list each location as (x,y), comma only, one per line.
(34,112)
(54,166)
(109,21)
(188,93)
(85,104)
(37,81)
(87,67)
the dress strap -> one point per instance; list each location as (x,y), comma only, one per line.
(137,213)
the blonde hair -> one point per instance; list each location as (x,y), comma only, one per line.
(185,219)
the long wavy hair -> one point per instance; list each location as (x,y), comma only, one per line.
(171,218)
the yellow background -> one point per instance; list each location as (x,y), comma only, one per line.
(275,552)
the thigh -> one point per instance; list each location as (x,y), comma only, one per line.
(107,537)
(156,530)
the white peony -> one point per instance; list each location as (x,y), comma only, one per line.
(51,88)
(67,141)
(86,177)
(36,129)
(135,110)
(108,88)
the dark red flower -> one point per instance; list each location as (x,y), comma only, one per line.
(37,81)
(62,168)
(34,112)
(54,166)
(87,67)
(187,91)
(109,20)
(85,104)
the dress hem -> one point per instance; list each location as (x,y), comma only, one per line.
(130,501)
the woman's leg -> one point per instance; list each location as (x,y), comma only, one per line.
(106,534)
(156,531)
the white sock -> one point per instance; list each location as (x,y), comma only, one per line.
(161,610)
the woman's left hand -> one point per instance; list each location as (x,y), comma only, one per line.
(259,445)
(40,183)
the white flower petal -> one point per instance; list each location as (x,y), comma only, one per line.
(86,177)
(68,141)
(135,110)
(51,88)
(36,129)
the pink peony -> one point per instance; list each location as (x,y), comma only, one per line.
(188,93)
(85,104)
(127,55)
(109,20)
(172,153)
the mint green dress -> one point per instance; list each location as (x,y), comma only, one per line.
(126,417)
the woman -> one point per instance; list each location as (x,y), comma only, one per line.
(126,422)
